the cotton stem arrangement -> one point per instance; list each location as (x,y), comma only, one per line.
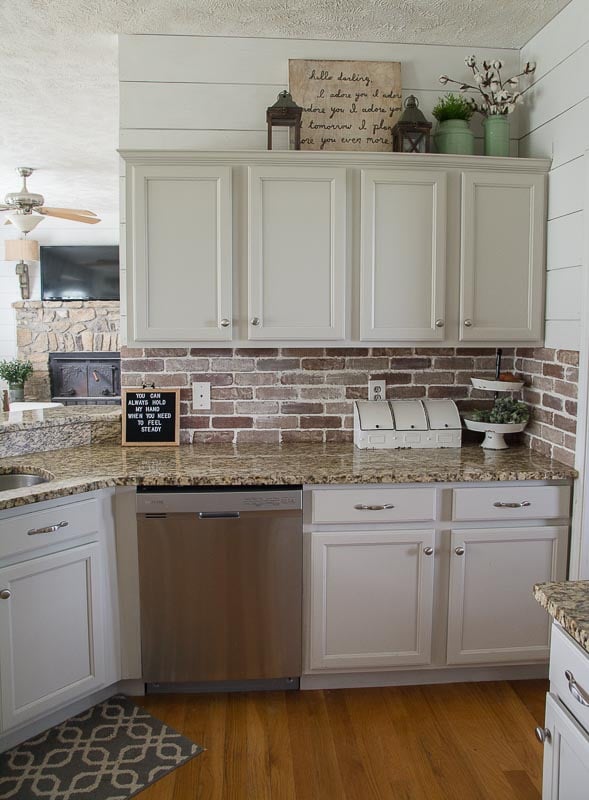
(499,95)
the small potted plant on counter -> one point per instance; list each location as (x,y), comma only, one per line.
(508,415)
(453,134)
(15,373)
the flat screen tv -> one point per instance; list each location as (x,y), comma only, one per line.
(85,272)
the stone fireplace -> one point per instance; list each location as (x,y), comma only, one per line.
(68,326)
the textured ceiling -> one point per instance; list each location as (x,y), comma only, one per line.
(58,61)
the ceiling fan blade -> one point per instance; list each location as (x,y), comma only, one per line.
(80,211)
(65,213)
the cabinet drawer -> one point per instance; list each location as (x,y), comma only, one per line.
(374,505)
(35,530)
(569,674)
(511,502)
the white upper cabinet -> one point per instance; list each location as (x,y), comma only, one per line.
(180,253)
(403,255)
(502,257)
(297,253)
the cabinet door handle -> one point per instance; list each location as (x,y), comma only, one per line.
(577,691)
(459,551)
(543,734)
(439,323)
(362,507)
(429,551)
(5,594)
(225,323)
(468,323)
(523,504)
(255,321)
(48,529)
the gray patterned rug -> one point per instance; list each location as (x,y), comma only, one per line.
(110,752)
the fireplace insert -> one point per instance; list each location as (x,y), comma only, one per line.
(85,378)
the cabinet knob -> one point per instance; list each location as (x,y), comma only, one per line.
(543,734)
(428,551)
(5,594)
(225,323)
(439,323)
(255,321)
(468,323)
(459,551)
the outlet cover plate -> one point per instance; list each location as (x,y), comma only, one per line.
(201,396)
(377,390)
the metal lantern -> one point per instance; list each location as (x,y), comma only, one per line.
(411,134)
(285,113)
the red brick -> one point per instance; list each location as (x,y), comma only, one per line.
(219,407)
(256,407)
(570,441)
(566,456)
(530,367)
(231,393)
(394,378)
(538,353)
(131,352)
(550,401)
(185,436)
(541,415)
(301,352)
(195,422)
(392,352)
(570,406)
(214,378)
(131,379)
(553,370)
(256,378)
(188,364)
(323,363)
(232,422)
(346,351)
(410,363)
(361,392)
(568,424)
(277,422)
(434,351)
(347,378)
(275,393)
(321,421)
(338,408)
(454,363)
(568,357)
(301,408)
(277,364)
(143,364)
(447,391)
(427,378)
(543,383)
(540,446)
(208,352)
(225,364)
(404,392)
(302,436)
(171,379)
(257,352)
(567,389)
(552,435)
(162,352)
(212,437)
(475,351)
(322,392)
(302,378)
(532,397)
(572,374)
(262,437)
(339,436)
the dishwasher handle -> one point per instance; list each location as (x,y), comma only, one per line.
(218,514)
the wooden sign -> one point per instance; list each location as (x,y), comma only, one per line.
(347,105)
(151,417)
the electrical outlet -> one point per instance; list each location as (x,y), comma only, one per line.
(377,390)
(201,396)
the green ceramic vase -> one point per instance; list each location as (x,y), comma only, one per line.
(496,135)
(454,136)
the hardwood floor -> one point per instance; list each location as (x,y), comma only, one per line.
(468,741)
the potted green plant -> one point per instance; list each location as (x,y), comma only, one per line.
(499,97)
(453,134)
(15,373)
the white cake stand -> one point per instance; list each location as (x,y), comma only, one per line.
(494,432)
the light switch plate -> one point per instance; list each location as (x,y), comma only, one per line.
(201,396)
(377,390)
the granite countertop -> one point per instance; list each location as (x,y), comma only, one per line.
(50,417)
(568,603)
(82,469)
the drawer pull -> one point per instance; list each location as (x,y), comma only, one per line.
(523,504)
(459,550)
(48,529)
(429,551)
(5,594)
(362,507)
(543,734)
(577,691)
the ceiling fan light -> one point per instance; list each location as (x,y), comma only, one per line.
(25,222)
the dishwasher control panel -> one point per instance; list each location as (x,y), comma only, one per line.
(168,501)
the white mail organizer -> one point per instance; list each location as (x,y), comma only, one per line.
(406,423)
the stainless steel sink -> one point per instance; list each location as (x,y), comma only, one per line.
(14,480)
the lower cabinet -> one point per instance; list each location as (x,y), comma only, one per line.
(566,755)
(492,614)
(51,632)
(371,598)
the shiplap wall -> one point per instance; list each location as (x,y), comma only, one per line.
(211,93)
(555,123)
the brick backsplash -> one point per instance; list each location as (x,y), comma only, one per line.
(305,394)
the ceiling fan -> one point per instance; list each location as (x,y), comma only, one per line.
(25,210)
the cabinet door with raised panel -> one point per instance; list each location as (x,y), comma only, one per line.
(297,253)
(492,614)
(52,647)
(403,255)
(502,257)
(371,599)
(179,253)
(566,755)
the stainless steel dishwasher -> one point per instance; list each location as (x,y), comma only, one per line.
(221,586)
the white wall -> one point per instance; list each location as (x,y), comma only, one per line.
(211,93)
(555,124)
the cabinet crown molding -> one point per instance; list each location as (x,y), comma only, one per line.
(333,159)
